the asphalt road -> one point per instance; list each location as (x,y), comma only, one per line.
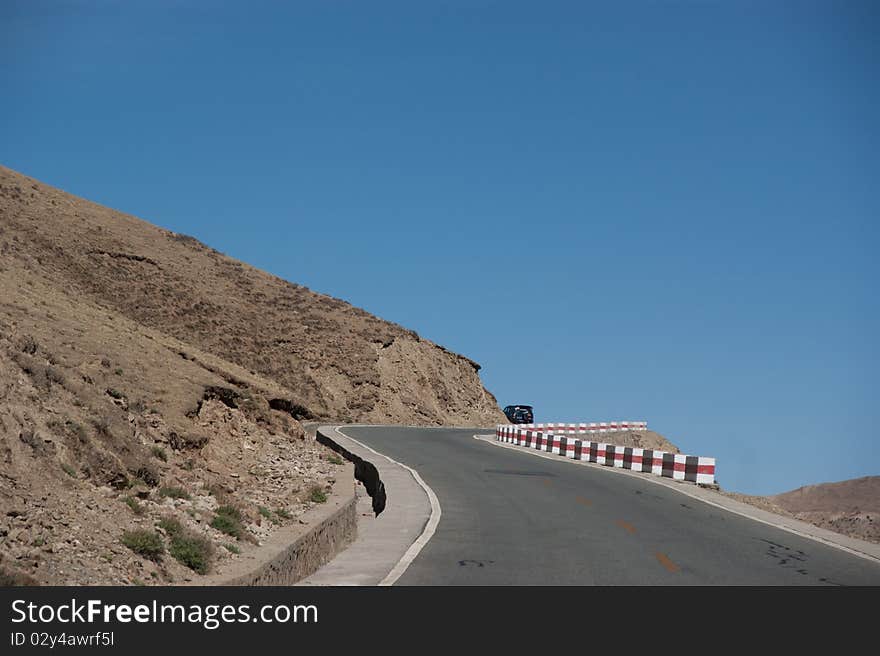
(510,518)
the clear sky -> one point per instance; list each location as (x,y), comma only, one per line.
(638,210)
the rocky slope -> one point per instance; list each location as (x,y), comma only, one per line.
(850,507)
(340,362)
(149,383)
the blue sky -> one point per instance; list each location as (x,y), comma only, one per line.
(643,210)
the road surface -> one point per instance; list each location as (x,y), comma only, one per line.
(511,518)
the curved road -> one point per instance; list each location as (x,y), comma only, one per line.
(511,518)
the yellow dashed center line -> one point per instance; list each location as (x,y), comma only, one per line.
(668,564)
(626,526)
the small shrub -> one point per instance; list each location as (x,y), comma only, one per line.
(228,520)
(105,363)
(265,512)
(159,452)
(70,471)
(231,548)
(41,375)
(132,503)
(53,375)
(170,525)
(283,514)
(174,493)
(102,425)
(230,511)
(335,459)
(317,494)
(191,550)
(144,543)
(78,430)
(226,524)
(116,394)
(118,372)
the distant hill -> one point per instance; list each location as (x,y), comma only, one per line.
(850,496)
(850,507)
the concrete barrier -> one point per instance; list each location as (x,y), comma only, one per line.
(563,440)
(364,471)
(296,551)
(595,427)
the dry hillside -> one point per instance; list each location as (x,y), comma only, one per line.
(850,507)
(340,362)
(150,392)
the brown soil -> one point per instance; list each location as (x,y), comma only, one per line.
(850,507)
(137,365)
(645,439)
(338,361)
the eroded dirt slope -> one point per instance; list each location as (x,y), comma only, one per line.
(108,427)
(151,391)
(850,507)
(340,362)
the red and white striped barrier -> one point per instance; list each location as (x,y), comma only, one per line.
(600,427)
(560,439)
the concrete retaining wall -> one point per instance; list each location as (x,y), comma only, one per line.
(296,551)
(364,471)
(309,552)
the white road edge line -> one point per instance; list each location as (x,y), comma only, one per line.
(430,526)
(683,490)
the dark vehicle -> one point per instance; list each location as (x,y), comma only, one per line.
(520,414)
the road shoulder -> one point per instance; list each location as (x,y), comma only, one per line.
(386,544)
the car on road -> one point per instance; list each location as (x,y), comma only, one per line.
(520,414)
